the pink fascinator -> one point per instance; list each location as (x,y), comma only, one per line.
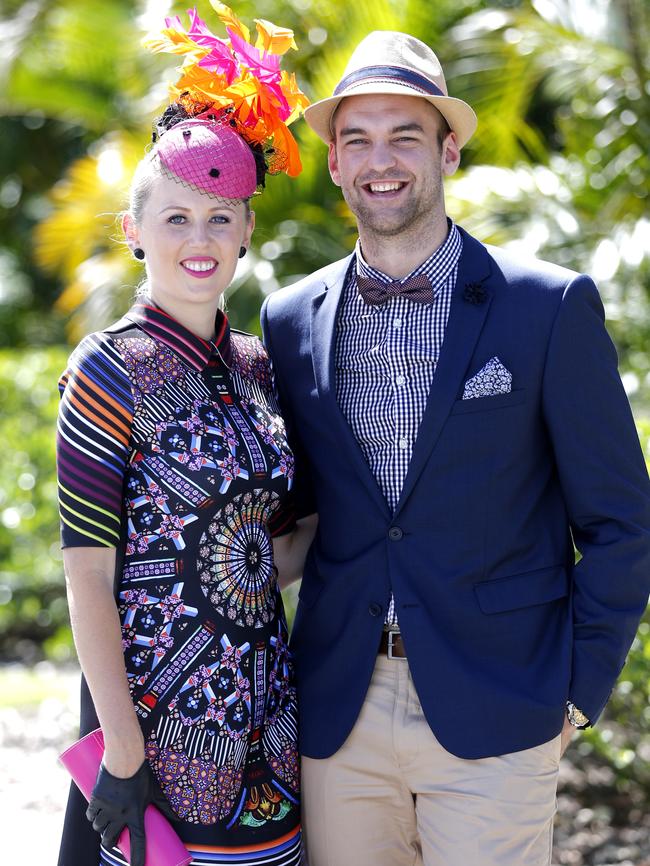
(231,97)
(209,157)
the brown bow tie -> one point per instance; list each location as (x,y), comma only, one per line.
(375,292)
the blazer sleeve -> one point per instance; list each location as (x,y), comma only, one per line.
(606,488)
(303,494)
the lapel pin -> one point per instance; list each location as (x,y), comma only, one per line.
(474,293)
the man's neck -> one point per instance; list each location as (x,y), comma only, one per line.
(398,255)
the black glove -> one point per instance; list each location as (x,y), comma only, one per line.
(118,803)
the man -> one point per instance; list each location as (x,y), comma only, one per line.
(459,423)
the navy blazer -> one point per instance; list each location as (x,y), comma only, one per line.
(500,626)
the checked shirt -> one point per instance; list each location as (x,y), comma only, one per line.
(386,357)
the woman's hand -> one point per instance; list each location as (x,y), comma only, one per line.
(118,803)
(289,551)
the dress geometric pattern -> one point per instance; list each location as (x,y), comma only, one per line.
(172,449)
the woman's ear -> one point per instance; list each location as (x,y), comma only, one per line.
(249,228)
(130,230)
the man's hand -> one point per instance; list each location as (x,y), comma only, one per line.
(567,734)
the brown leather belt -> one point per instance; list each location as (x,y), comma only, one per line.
(391,645)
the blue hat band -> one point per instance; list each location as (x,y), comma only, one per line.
(397,74)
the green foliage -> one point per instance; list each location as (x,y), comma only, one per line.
(33,610)
(560,164)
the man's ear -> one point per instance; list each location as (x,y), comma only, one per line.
(450,154)
(333,163)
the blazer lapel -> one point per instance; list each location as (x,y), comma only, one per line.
(469,308)
(323,330)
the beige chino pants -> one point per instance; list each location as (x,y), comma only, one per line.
(392,796)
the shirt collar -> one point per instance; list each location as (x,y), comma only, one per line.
(192,349)
(437,267)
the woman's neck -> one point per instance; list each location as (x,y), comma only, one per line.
(199,319)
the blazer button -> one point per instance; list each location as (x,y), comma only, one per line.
(374,609)
(395,533)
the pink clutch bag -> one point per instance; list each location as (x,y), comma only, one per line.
(164,848)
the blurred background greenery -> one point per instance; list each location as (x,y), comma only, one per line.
(559,167)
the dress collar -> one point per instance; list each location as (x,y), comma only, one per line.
(192,349)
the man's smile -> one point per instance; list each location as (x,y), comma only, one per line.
(384,188)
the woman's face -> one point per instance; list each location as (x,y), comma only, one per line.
(191,244)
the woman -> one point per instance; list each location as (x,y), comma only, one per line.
(174,475)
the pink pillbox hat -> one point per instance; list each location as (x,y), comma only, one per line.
(209,157)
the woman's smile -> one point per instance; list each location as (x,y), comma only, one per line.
(200,267)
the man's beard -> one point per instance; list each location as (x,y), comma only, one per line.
(393,221)
(387,224)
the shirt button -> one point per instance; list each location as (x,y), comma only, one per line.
(395,533)
(400,380)
(397,323)
(374,609)
(403,443)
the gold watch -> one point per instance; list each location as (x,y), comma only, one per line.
(575,716)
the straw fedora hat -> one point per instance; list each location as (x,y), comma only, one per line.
(390,62)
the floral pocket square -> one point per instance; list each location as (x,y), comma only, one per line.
(492,379)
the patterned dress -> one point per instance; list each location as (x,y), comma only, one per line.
(172,450)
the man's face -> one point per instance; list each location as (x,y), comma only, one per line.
(389,163)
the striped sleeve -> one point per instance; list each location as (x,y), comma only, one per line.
(93,443)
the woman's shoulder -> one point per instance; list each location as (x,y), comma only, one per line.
(250,359)
(246,341)
(124,341)
(131,339)
(101,355)
(92,349)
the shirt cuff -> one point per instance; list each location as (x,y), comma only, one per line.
(576,717)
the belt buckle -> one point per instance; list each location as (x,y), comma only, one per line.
(391,639)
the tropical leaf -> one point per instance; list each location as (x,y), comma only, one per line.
(77,62)
(81,239)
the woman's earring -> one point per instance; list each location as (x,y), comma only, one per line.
(138,252)
(242,252)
